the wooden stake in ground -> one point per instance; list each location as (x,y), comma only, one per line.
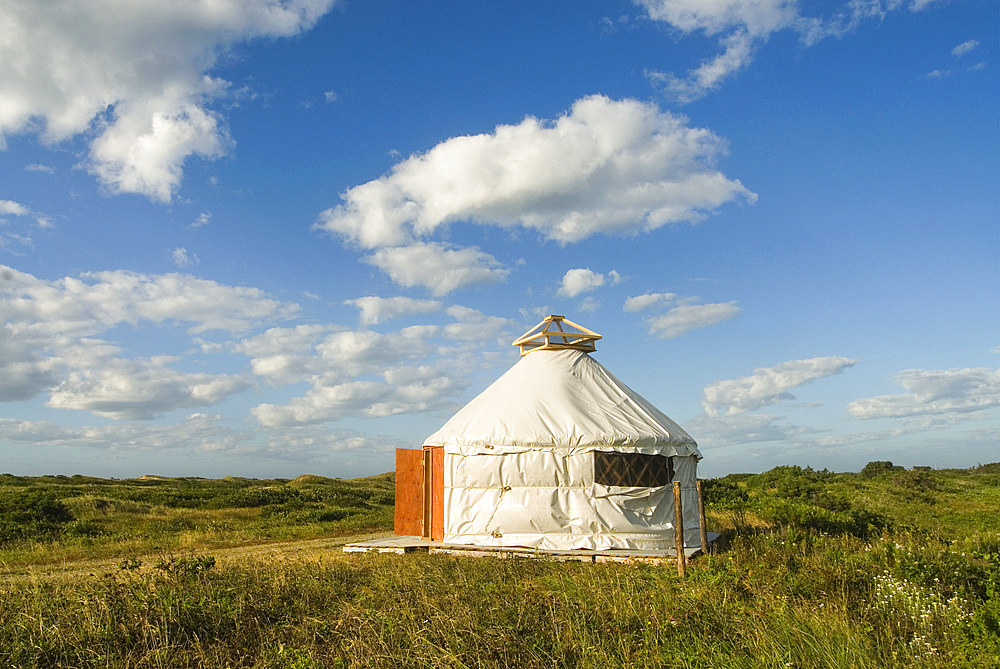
(701,519)
(679,530)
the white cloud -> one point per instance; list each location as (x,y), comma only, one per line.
(330,96)
(768,385)
(362,352)
(13,208)
(402,389)
(47,338)
(143,150)
(138,389)
(642,302)
(100,300)
(912,425)
(369,374)
(35,167)
(370,399)
(682,319)
(711,73)
(49,344)
(957,52)
(475,326)
(727,421)
(866,436)
(439,267)
(717,431)
(22,379)
(757,17)
(285,355)
(742,25)
(316,444)
(317,354)
(207,346)
(577,281)
(182,259)
(933,392)
(200,433)
(964,48)
(88,375)
(608,166)
(611,26)
(939,399)
(687,315)
(135,75)
(376,309)
(202,220)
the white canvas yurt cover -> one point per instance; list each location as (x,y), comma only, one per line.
(560,454)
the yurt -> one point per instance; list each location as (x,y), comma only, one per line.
(556,454)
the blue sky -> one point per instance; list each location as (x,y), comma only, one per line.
(267,238)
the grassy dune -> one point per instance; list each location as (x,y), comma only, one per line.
(109,518)
(815,569)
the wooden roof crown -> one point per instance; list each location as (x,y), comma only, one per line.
(554,333)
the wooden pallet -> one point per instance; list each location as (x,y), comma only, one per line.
(408,544)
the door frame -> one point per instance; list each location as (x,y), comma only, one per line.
(433,525)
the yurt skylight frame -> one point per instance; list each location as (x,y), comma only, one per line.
(556,333)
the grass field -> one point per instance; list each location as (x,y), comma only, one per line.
(109,518)
(886,568)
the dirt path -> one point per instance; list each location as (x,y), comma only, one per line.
(278,550)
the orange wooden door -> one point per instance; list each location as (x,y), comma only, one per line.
(409,514)
(433,493)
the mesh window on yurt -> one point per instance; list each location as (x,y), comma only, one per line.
(632,470)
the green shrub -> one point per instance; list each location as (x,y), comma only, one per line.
(797,515)
(248,498)
(921,481)
(879,467)
(82,528)
(31,515)
(791,482)
(829,501)
(723,494)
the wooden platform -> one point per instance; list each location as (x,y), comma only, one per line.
(405,544)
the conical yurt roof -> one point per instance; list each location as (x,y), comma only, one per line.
(560,397)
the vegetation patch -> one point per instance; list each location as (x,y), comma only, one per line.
(31,515)
(59,517)
(814,569)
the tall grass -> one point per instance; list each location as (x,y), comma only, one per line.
(741,609)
